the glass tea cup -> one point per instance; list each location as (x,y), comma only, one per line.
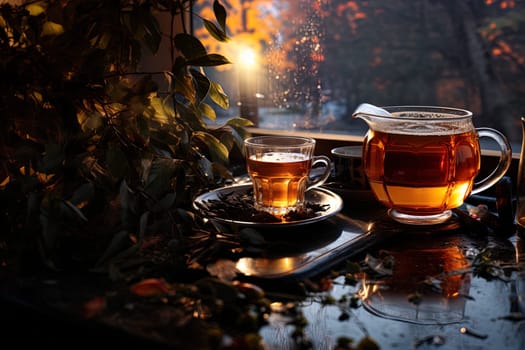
(422,161)
(280,168)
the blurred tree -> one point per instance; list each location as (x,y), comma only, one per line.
(436,52)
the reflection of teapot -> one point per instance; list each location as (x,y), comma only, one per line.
(428,286)
(422,161)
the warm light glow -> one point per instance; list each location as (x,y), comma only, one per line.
(277,306)
(247,57)
(249,266)
(366,289)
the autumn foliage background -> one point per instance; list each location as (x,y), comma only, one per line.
(462,54)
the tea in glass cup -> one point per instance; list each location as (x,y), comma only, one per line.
(280,168)
(421,161)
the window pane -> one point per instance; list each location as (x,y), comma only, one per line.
(306,65)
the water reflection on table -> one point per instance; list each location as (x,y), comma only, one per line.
(437,295)
(428,285)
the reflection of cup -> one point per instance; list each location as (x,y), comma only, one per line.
(348,167)
(428,286)
(280,167)
(422,161)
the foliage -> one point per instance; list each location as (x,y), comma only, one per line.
(95,158)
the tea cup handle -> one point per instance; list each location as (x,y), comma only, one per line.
(320,179)
(505,159)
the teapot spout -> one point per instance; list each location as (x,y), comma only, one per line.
(367,111)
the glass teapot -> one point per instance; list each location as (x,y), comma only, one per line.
(422,161)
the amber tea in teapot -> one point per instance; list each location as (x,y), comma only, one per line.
(439,168)
(421,162)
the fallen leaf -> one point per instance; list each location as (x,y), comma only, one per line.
(150,287)
(93,307)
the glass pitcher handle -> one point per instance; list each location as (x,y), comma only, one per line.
(321,179)
(505,159)
(520,204)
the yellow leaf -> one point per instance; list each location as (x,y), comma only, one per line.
(26,172)
(208,111)
(5,182)
(159,111)
(91,121)
(44,178)
(52,28)
(35,9)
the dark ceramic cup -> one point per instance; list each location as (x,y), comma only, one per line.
(348,167)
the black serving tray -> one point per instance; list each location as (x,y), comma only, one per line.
(307,250)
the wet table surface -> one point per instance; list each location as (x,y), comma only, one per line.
(451,286)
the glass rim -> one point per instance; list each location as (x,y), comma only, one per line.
(430,112)
(279,141)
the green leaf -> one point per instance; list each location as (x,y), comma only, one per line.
(190,118)
(119,243)
(53,157)
(70,211)
(238,134)
(102,41)
(33,210)
(227,139)
(218,95)
(144,218)
(83,194)
(232,137)
(145,85)
(165,139)
(161,111)
(143,127)
(90,120)
(181,183)
(152,33)
(206,167)
(190,46)
(239,122)
(215,31)
(125,196)
(202,84)
(186,216)
(116,161)
(164,203)
(52,28)
(222,171)
(183,83)
(208,60)
(159,177)
(220,14)
(217,150)
(208,111)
